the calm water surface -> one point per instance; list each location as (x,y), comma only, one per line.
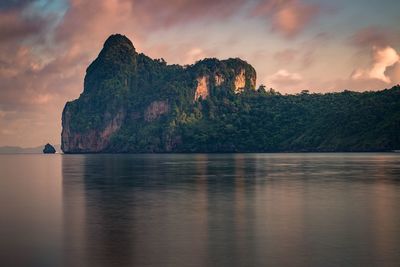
(200,210)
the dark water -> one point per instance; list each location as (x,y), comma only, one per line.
(200,210)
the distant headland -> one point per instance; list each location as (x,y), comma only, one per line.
(134,104)
(25,150)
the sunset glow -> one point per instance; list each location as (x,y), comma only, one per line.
(295,45)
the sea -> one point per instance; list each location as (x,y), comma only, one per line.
(294,209)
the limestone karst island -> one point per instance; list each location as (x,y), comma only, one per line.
(196,133)
(132,103)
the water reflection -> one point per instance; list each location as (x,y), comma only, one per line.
(30,210)
(231,210)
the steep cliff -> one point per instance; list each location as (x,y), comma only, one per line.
(132,103)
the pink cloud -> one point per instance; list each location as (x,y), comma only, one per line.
(42,63)
(382,58)
(288,17)
(394,72)
(284,80)
(383,69)
(14,26)
(169,13)
(372,36)
(286,55)
(303,56)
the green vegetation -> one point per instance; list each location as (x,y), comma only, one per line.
(269,121)
(121,81)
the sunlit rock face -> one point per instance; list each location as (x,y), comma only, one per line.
(132,103)
(240,82)
(202,89)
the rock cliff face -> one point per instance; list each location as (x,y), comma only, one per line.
(202,89)
(155,110)
(93,140)
(132,103)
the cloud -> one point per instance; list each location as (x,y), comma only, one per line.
(161,13)
(83,28)
(6,132)
(382,58)
(288,17)
(305,53)
(382,72)
(44,55)
(394,73)
(194,55)
(284,80)
(383,69)
(286,56)
(5,5)
(372,36)
(22,34)
(14,26)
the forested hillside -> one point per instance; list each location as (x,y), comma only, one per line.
(268,121)
(132,103)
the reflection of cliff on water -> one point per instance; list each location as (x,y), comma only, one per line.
(146,209)
(230,210)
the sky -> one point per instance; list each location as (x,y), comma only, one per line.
(294,45)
